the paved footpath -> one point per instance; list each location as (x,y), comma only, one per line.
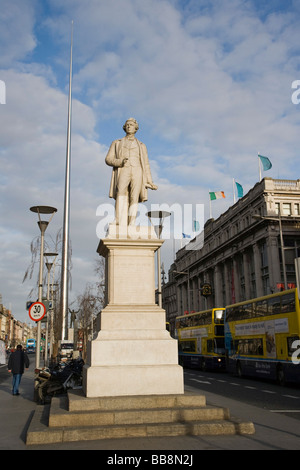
(273,431)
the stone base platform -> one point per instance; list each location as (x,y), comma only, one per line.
(78,418)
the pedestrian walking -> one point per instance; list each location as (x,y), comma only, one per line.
(16,363)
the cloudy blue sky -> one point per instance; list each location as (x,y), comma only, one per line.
(210,83)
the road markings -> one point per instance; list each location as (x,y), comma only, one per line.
(284,411)
(271,392)
(201,381)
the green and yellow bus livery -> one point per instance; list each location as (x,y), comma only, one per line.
(201,339)
(262,337)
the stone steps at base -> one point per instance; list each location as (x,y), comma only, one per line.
(61,417)
(77,401)
(40,433)
(46,425)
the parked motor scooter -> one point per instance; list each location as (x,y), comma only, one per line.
(50,382)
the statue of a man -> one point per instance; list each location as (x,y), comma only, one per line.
(131,176)
(73,317)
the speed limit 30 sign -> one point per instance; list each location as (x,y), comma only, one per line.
(37,311)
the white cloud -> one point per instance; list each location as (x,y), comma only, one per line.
(17,18)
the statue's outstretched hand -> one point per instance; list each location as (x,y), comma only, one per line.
(151,186)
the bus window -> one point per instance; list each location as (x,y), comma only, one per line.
(251,347)
(219,330)
(247,311)
(231,314)
(274,305)
(210,346)
(219,316)
(288,303)
(261,308)
(187,346)
(219,346)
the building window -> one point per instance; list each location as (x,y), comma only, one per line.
(241,273)
(286,208)
(264,255)
(265,268)
(277,207)
(297,209)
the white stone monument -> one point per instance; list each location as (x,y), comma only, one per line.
(133,353)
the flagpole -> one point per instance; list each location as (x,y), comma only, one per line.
(234,198)
(65,244)
(210,213)
(259,166)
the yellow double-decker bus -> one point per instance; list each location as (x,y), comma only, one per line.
(201,339)
(262,337)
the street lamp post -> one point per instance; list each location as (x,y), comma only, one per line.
(49,266)
(42,226)
(161,215)
(277,219)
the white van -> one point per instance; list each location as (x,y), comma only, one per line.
(66,348)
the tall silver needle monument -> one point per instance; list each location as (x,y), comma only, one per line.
(65,245)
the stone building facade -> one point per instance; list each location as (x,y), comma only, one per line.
(13,331)
(241,257)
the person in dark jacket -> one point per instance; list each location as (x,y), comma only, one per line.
(16,363)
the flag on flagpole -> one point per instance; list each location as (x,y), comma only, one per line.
(216,195)
(196,226)
(240,191)
(266,164)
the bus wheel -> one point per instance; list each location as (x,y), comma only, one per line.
(280,375)
(239,370)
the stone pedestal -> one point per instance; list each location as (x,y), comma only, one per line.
(133,353)
(71,334)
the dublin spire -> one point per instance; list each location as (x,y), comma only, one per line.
(66,223)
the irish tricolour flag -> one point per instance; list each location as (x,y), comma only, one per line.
(216,195)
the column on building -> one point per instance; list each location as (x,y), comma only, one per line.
(195,294)
(201,299)
(218,298)
(223,283)
(236,279)
(274,263)
(184,298)
(178,299)
(257,267)
(210,300)
(247,276)
(227,280)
